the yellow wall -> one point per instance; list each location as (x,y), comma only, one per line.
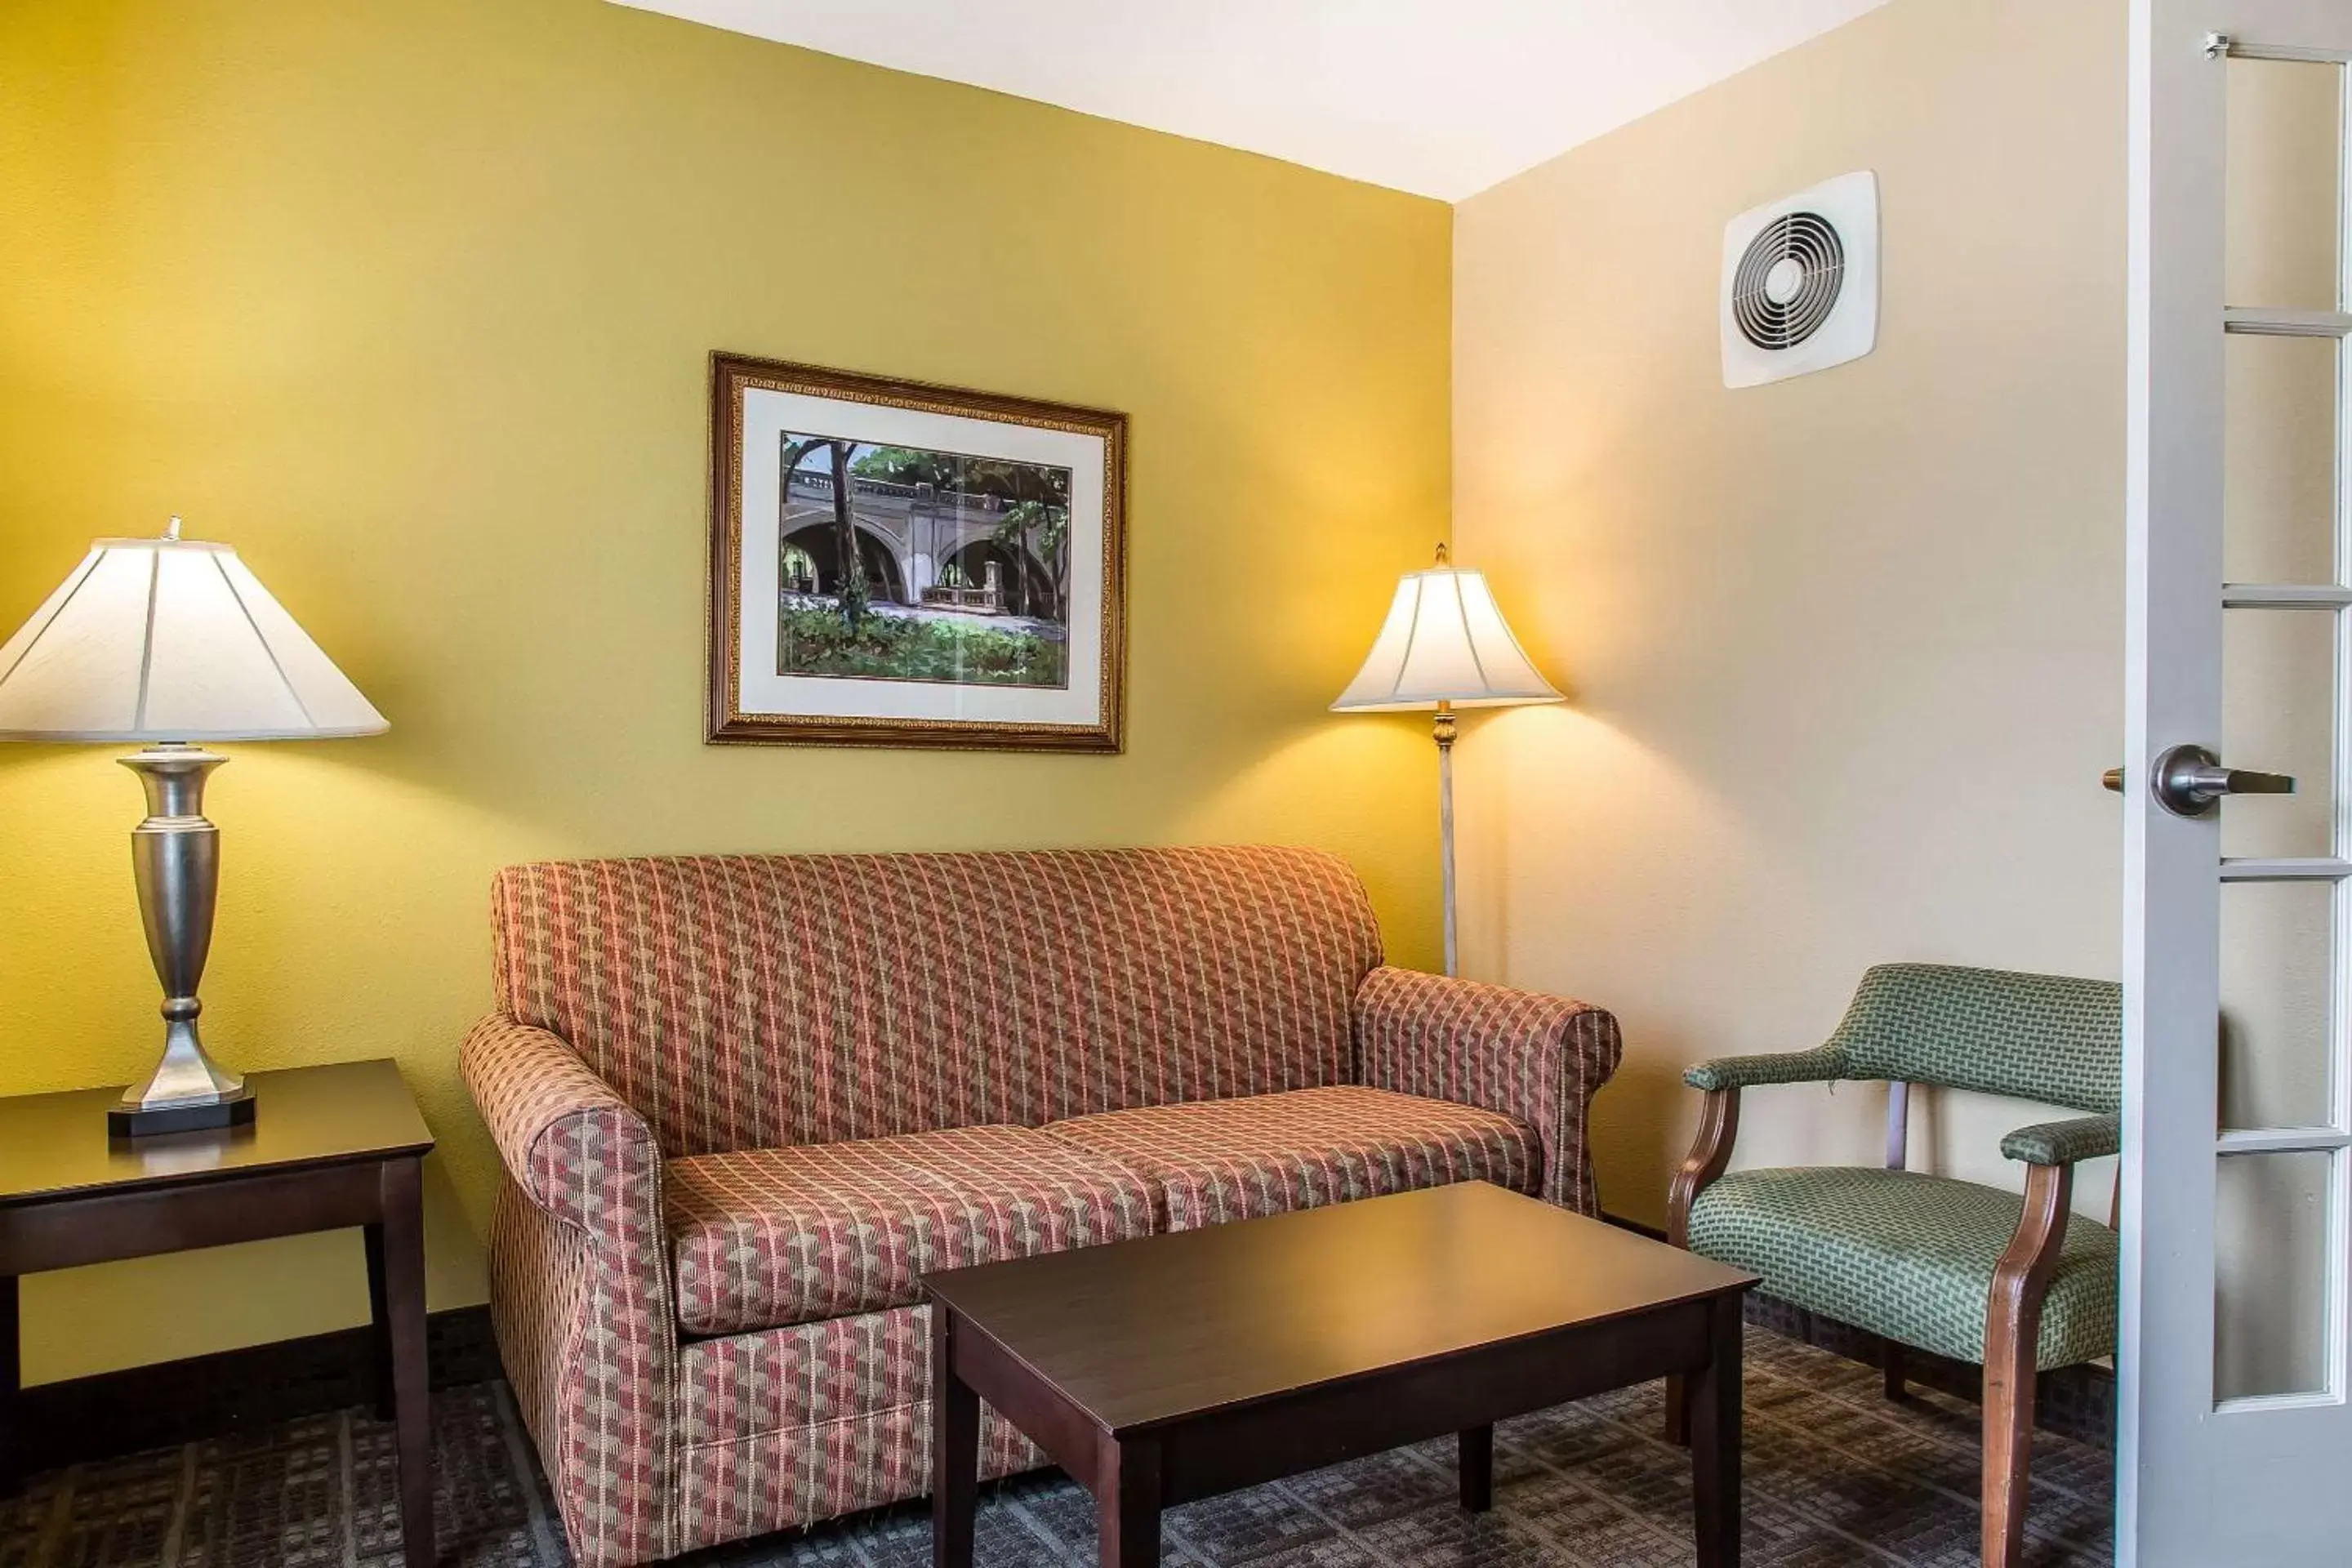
(410,301)
(1846,651)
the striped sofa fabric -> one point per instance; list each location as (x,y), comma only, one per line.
(744,1103)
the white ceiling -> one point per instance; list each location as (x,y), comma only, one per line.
(1439,96)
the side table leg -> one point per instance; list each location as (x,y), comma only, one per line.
(11,1381)
(1715,1440)
(404,1287)
(955,1450)
(1475,1454)
(1127,1504)
(379,1324)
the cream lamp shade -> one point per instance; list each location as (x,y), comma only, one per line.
(1445,642)
(171,639)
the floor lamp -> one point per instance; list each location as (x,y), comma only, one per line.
(1445,646)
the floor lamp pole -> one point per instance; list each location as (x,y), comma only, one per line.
(1443,730)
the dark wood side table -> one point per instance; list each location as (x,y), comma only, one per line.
(1187,1365)
(330,1147)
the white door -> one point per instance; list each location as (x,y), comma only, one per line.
(2234,1434)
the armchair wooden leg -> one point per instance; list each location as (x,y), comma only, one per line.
(2008,1452)
(2012,1335)
(1890,1360)
(1719,1126)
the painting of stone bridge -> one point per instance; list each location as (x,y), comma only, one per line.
(904,563)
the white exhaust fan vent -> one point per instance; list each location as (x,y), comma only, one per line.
(1800,282)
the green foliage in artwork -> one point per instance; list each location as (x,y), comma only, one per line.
(892,647)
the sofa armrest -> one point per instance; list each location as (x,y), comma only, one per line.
(2065,1142)
(1520,1053)
(580,1290)
(574,1147)
(1819,1065)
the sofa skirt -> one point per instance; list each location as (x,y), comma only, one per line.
(789,1426)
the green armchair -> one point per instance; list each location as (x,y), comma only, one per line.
(1961,1269)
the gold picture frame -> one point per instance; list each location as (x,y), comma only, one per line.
(899,563)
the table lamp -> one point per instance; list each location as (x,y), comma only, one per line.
(1445,646)
(171,642)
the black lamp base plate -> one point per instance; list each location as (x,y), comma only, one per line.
(131,1122)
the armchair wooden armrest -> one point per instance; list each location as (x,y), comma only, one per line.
(2065,1142)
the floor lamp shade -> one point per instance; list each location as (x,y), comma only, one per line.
(1445,646)
(1445,643)
(172,641)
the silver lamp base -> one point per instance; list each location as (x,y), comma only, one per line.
(175,860)
(142,1121)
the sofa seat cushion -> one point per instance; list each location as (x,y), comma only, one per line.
(1906,1255)
(768,1237)
(1217,1160)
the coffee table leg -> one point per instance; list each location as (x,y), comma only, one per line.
(1714,1395)
(955,1450)
(1474,1448)
(1127,1504)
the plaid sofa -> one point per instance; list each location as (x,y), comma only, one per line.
(743,1103)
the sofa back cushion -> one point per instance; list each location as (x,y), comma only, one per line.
(741,1002)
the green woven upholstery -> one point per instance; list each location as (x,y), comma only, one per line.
(2047,1037)
(2064,1142)
(1905,1256)
(1819,1065)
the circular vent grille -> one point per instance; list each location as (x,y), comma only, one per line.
(1786,283)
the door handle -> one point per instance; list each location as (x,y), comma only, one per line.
(2189,781)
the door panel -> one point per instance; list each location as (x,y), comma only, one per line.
(2278,702)
(2271,1252)
(2280,193)
(2278,941)
(2279,465)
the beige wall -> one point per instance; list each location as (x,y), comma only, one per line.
(1844,652)
(412,301)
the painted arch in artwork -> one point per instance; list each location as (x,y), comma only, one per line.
(973,559)
(885,577)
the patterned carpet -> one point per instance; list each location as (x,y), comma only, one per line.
(1835,1475)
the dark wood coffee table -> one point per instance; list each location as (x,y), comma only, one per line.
(1179,1366)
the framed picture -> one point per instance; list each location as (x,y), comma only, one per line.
(898,565)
